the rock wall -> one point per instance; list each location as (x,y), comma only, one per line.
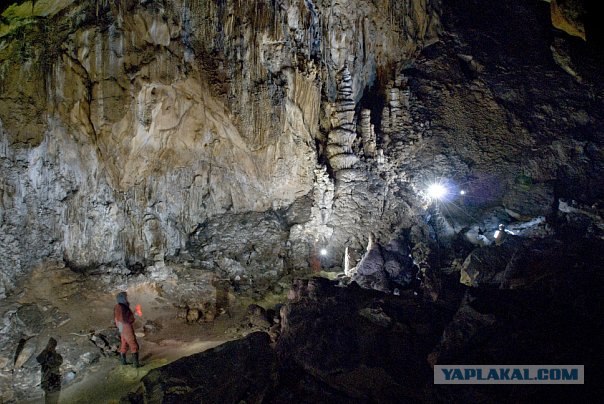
(125,126)
(247,136)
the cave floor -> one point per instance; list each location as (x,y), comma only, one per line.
(90,310)
(108,381)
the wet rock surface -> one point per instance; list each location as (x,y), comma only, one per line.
(385,267)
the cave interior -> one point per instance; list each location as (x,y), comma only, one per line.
(305,200)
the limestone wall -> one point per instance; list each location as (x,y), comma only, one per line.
(125,125)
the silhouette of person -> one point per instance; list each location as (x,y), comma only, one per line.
(51,375)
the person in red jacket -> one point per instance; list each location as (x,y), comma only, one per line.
(124,318)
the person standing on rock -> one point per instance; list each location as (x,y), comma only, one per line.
(124,320)
(500,234)
(51,375)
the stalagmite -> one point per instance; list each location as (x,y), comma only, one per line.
(369,242)
(368,134)
(398,131)
(343,133)
(346,262)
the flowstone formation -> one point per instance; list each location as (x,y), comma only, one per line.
(130,131)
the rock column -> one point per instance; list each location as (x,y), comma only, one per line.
(368,134)
(342,136)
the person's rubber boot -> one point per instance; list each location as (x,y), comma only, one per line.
(135,362)
(123,359)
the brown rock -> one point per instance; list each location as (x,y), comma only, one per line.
(568,16)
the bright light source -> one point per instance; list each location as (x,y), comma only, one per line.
(323,251)
(462,192)
(437,191)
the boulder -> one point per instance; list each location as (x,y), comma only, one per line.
(355,343)
(521,263)
(257,317)
(385,267)
(525,201)
(236,371)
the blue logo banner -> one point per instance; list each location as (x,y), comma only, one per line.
(509,374)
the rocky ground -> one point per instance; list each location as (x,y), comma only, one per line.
(339,344)
(529,300)
(77,310)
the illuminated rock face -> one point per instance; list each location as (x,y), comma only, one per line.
(241,136)
(125,126)
(569,16)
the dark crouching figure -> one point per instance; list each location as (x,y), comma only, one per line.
(51,375)
(124,318)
